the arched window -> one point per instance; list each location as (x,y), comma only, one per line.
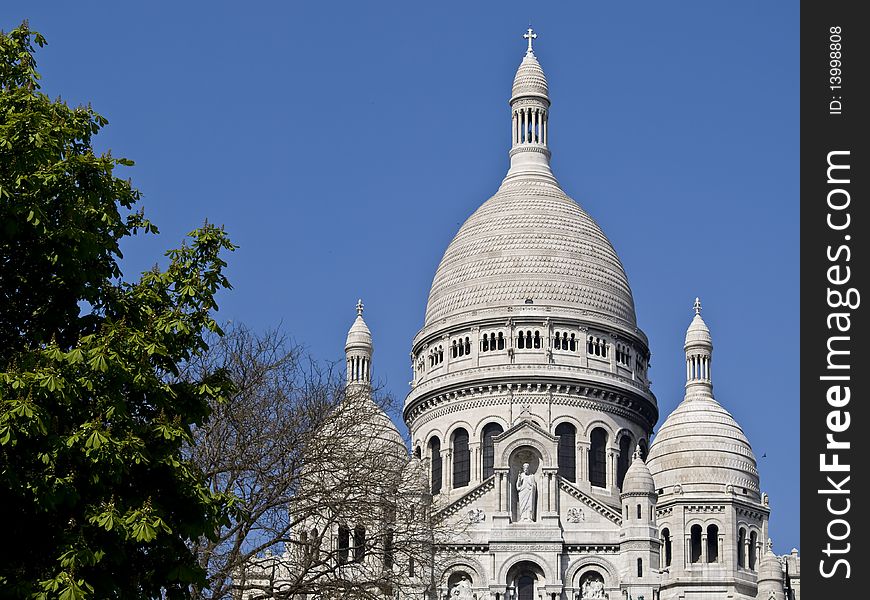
(712,543)
(343,543)
(639,512)
(644,448)
(567,453)
(489,432)
(537,342)
(557,342)
(572,345)
(484,345)
(528,339)
(640,567)
(500,340)
(753,539)
(668,547)
(695,544)
(435,456)
(741,543)
(454,352)
(461,459)
(467,346)
(359,543)
(521,341)
(624,459)
(598,458)
(418,452)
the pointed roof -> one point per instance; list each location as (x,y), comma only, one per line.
(359,335)
(698,333)
(638,479)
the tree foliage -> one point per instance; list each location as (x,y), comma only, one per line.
(94,411)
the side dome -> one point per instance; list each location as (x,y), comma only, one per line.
(638,479)
(531,243)
(700,446)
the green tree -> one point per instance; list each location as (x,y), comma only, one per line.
(98,499)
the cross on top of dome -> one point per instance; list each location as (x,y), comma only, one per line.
(697,306)
(530,35)
(359,307)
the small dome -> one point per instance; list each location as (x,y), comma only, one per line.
(530,79)
(698,332)
(769,567)
(701,444)
(638,479)
(359,334)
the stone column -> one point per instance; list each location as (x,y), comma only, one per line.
(582,462)
(446,469)
(475,345)
(611,352)
(611,470)
(448,349)
(584,357)
(474,451)
(704,557)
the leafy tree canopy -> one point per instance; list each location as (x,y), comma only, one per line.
(94,412)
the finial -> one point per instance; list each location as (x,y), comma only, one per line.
(769,545)
(359,307)
(697,306)
(636,452)
(530,35)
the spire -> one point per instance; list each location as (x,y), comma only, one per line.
(530,106)
(699,351)
(358,350)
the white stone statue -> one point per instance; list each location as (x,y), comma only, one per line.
(462,590)
(592,589)
(527,488)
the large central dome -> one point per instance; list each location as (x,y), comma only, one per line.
(530,243)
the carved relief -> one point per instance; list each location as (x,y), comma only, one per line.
(576,515)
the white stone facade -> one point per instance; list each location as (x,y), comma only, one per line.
(530,354)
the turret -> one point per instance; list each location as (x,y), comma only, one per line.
(358,351)
(639,537)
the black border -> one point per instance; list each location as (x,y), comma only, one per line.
(821,133)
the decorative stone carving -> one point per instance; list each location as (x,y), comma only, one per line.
(527,487)
(462,590)
(475,515)
(592,588)
(576,515)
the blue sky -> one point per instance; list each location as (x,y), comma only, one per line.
(343,144)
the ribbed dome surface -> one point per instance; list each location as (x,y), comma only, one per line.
(698,332)
(359,334)
(638,478)
(530,241)
(530,79)
(769,568)
(701,443)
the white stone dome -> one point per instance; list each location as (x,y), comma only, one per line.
(700,444)
(530,79)
(638,479)
(531,242)
(698,332)
(359,335)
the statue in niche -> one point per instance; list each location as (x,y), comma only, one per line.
(592,588)
(527,489)
(462,590)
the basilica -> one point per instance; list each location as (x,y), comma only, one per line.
(530,415)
